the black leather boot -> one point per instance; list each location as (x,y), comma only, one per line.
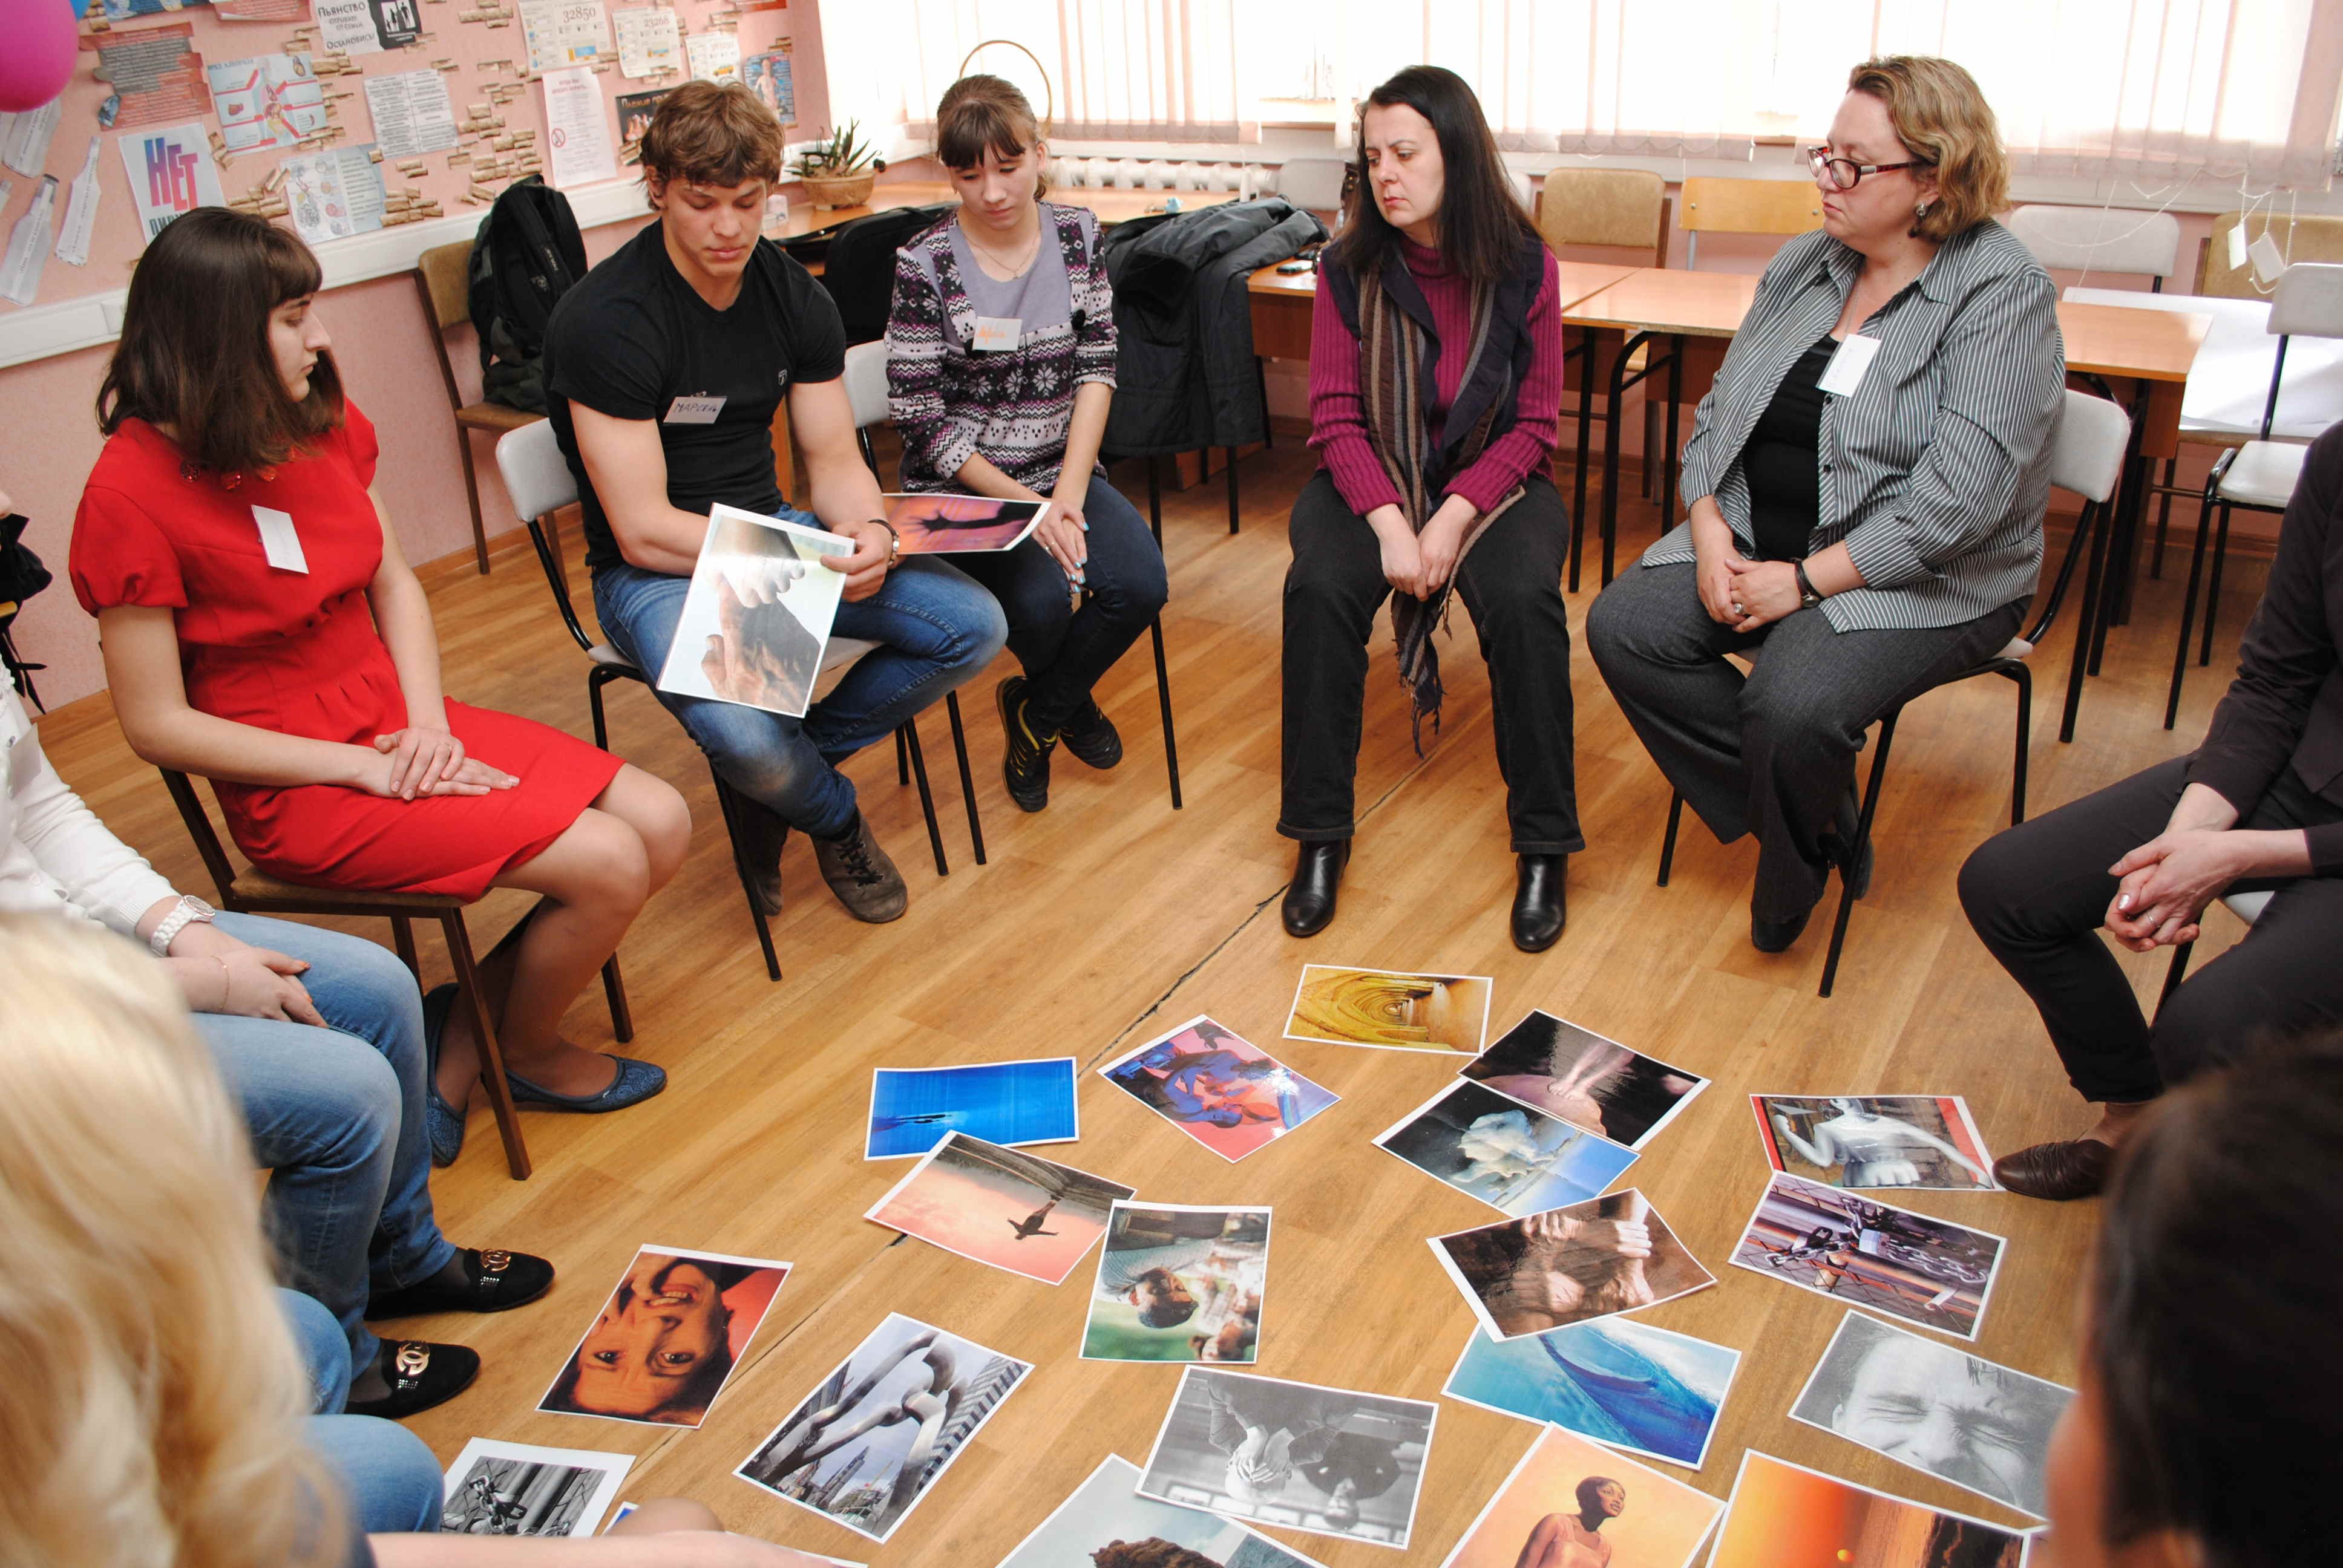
(1310,897)
(1539,913)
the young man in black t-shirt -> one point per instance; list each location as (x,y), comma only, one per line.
(665,364)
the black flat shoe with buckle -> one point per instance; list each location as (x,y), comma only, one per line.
(494,1281)
(420,1376)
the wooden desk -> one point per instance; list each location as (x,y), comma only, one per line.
(1282,302)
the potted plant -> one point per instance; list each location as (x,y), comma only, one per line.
(841,171)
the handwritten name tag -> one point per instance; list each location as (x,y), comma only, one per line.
(694,410)
(1853,357)
(998,333)
(277,539)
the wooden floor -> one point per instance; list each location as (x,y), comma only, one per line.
(1111,916)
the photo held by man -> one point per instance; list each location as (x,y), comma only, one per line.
(1266,1174)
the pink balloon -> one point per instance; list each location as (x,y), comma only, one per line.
(39,58)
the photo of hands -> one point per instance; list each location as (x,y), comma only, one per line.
(1589,1260)
(940,525)
(757,615)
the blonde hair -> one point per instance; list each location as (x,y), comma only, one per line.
(154,1397)
(1941,115)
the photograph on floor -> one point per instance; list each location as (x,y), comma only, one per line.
(1016,1211)
(1575,1502)
(1875,1140)
(868,1443)
(1327,1461)
(1515,1160)
(1221,1089)
(1866,1254)
(1567,1266)
(1107,1524)
(1006,1102)
(1783,1513)
(517,1488)
(1390,1010)
(1553,1065)
(1179,1283)
(1619,1381)
(940,525)
(758,614)
(667,1339)
(1936,1408)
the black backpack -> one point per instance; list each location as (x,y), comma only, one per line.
(860,270)
(525,257)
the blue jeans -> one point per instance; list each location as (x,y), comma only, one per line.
(392,1480)
(935,629)
(336,1117)
(1064,648)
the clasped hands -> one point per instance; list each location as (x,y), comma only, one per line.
(425,761)
(2166,884)
(1744,594)
(1418,564)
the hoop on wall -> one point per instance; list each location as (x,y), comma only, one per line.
(1049,88)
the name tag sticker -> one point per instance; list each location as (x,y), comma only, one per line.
(996,333)
(2267,262)
(694,410)
(1844,373)
(277,539)
(2238,247)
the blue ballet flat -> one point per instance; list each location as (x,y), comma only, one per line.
(637,1081)
(440,1120)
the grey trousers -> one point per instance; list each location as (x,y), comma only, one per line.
(1771,753)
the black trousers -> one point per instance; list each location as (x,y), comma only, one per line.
(2039,893)
(1511,583)
(1771,753)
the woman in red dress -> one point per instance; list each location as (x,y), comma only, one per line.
(261,629)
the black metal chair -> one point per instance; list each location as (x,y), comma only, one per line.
(2093,433)
(538,483)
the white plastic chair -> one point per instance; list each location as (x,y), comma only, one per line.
(2118,241)
(538,482)
(2087,458)
(866,392)
(1313,183)
(2259,476)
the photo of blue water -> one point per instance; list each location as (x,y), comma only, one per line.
(1614,1380)
(913,1108)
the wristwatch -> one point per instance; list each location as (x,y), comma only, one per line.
(1807,596)
(186,912)
(894,542)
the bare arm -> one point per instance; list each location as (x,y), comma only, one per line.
(1541,1543)
(141,645)
(628,467)
(844,491)
(403,616)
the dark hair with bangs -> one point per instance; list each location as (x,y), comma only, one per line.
(716,133)
(983,116)
(194,357)
(1482,224)
(2210,1323)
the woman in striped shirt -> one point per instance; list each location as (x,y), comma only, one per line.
(1866,482)
(999,366)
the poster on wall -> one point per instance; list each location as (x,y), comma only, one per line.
(770,77)
(266,101)
(157,75)
(635,111)
(81,211)
(125,10)
(563,33)
(578,129)
(715,56)
(25,148)
(412,113)
(171,172)
(28,245)
(649,40)
(367,26)
(334,194)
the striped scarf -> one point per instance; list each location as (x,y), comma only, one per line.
(1392,346)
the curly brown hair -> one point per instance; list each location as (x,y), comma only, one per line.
(1940,113)
(716,134)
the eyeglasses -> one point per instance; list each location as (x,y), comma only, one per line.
(1845,173)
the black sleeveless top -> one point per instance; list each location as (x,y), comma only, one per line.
(1780,460)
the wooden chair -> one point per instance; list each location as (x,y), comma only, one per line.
(253,892)
(1747,206)
(2094,433)
(1613,210)
(441,281)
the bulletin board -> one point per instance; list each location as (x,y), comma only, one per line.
(295,109)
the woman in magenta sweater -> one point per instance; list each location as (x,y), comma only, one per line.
(1435,390)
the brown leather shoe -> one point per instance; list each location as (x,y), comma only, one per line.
(2057,1172)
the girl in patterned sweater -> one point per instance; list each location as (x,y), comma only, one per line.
(999,366)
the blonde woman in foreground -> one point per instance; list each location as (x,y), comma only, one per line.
(157,1410)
